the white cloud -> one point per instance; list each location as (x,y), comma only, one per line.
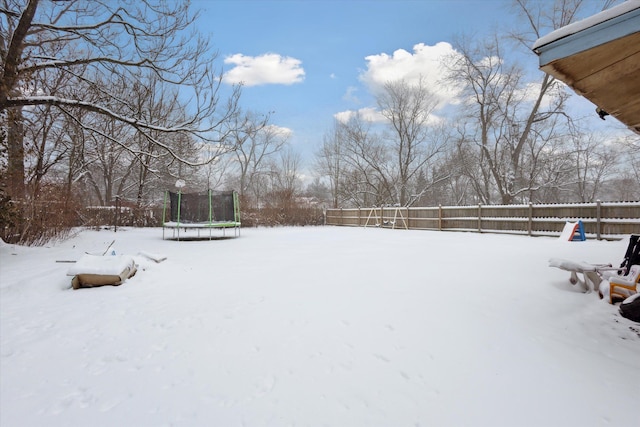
(373,115)
(425,61)
(344,116)
(368,114)
(269,68)
(350,95)
(279,130)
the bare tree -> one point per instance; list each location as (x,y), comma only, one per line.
(511,124)
(448,184)
(408,109)
(91,41)
(284,178)
(369,178)
(367,166)
(109,164)
(156,101)
(256,143)
(631,167)
(218,169)
(594,163)
(46,146)
(504,116)
(539,18)
(329,161)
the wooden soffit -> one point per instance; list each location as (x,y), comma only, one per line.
(600,61)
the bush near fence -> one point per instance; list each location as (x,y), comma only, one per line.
(30,222)
(274,216)
(110,216)
(600,219)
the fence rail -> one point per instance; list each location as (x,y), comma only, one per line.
(600,219)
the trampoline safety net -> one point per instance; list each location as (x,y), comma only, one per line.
(194,208)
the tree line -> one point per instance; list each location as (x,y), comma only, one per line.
(511,140)
(105,100)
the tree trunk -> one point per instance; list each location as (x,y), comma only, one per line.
(15,154)
(8,82)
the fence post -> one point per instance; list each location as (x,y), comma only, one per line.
(440,217)
(598,223)
(530,226)
(479,217)
(407,220)
(116,213)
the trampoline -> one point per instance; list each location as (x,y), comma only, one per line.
(197,215)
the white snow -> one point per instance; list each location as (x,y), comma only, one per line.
(101,265)
(572,265)
(326,326)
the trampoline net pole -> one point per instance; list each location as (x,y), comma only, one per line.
(210,196)
(164,212)
(178,219)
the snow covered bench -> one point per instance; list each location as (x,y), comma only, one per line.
(591,273)
(94,270)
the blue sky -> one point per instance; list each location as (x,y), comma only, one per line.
(309,60)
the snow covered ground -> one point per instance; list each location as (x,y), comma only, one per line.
(316,326)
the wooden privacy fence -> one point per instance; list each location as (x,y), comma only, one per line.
(600,219)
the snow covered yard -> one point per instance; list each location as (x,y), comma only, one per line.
(313,327)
